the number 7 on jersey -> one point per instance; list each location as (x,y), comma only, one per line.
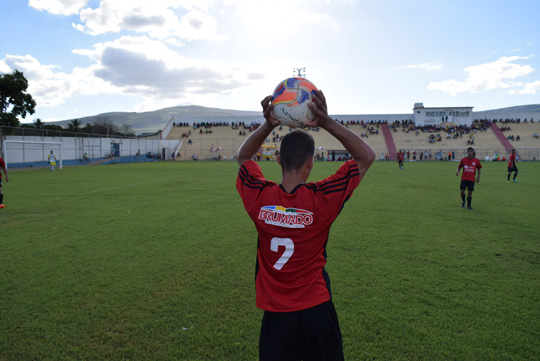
(289,250)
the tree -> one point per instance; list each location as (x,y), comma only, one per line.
(127,130)
(74,125)
(14,100)
(38,123)
(104,125)
(87,128)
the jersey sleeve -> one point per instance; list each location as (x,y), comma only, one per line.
(338,188)
(251,183)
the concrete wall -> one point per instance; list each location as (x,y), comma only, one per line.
(27,151)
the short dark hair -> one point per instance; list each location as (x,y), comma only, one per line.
(296,149)
(470,148)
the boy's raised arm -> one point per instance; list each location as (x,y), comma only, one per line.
(253,143)
(362,152)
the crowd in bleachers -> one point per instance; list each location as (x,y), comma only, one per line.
(436,133)
(464,135)
(512,120)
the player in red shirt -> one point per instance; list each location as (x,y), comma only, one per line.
(512,167)
(400,159)
(3,166)
(293,221)
(470,165)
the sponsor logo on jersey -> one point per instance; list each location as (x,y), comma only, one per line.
(286,217)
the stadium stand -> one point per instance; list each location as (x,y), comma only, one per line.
(525,132)
(222,142)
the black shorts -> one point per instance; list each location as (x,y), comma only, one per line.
(465,184)
(512,169)
(311,334)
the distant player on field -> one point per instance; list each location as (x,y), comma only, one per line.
(512,167)
(4,169)
(52,160)
(400,156)
(293,220)
(470,165)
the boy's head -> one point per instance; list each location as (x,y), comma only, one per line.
(296,149)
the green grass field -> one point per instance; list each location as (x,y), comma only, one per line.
(156,262)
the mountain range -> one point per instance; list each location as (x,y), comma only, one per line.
(153,121)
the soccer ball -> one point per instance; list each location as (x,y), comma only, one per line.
(291,99)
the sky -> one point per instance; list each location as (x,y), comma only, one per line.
(87,57)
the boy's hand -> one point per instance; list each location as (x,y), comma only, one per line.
(319,109)
(268,111)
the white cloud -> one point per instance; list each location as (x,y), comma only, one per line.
(423,66)
(58,7)
(159,19)
(4,68)
(147,67)
(50,88)
(137,66)
(527,88)
(281,20)
(496,75)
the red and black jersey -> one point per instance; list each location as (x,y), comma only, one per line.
(469,165)
(293,232)
(2,165)
(512,160)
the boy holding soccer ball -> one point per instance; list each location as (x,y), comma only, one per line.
(293,221)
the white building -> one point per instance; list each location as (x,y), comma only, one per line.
(436,116)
